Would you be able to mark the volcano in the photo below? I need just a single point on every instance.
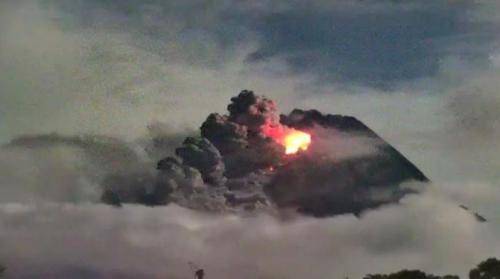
(253, 158)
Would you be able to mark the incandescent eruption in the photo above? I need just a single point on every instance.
(292, 139)
(242, 162)
(295, 141)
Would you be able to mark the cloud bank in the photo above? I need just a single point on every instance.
(426, 232)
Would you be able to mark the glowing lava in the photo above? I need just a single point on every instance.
(296, 140)
(293, 140)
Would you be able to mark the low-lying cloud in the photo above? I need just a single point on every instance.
(427, 231)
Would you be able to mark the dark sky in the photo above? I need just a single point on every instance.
(373, 43)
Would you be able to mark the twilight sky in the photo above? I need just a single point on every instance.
(425, 75)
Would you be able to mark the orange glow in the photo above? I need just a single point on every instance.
(293, 140)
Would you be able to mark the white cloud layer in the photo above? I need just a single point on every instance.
(428, 232)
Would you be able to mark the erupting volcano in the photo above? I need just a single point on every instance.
(241, 161)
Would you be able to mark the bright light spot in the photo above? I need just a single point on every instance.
(295, 141)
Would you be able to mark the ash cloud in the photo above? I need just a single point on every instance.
(240, 135)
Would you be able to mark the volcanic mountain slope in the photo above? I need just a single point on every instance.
(363, 173)
(253, 158)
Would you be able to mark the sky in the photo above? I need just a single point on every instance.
(423, 74)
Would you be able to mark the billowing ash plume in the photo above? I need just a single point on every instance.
(239, 136)
(242, 161)
(202, 155)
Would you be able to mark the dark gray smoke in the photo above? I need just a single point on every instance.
(239, 135)
(202, 155)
